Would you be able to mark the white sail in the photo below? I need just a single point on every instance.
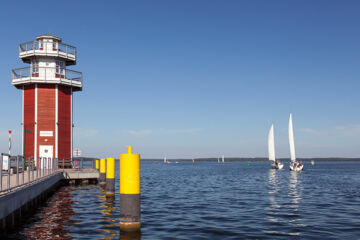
(223, 158)
(271, 144)
(291, 140)
(164, 159)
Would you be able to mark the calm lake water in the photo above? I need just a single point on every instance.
(207, 200)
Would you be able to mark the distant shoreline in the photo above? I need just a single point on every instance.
(254, 159)
(232, 159)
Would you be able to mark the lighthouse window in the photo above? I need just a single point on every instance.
(35, 66)
(60, 67)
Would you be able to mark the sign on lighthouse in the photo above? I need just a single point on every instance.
(47, 86)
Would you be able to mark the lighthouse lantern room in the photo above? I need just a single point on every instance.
(47, 86)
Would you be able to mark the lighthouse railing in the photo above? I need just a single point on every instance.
(41, 47)
(47, 74)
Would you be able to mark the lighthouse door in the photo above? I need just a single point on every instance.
(45, 152)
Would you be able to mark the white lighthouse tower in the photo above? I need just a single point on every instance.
(47, 86)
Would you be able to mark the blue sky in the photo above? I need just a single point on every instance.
(198, 78)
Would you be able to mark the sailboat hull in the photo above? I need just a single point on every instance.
(297, 167)
(278, 166)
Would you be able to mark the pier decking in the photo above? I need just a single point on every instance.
(22, 192)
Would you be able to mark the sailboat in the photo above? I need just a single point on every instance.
(218, 160)
(313, 162)
(223, 159)
(294, 165)
(165, 160)
(193, 160)
(271, 148)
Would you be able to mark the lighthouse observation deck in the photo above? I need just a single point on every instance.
(54, 75)
(30, 49)
(48, 58)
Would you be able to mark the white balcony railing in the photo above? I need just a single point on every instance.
(46, 75)
(46, 48)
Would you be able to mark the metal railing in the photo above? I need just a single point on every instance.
(15, 172)
(47, 47)
(83, 163)
(46, 74)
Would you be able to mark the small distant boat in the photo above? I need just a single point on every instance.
(223, 159)
(294, 165)
(218, 160)
(271, 148)
(176, 162)
(193, 160)
(313, 162)
(166, 161)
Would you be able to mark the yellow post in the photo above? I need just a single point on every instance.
(102, 171)
(130, 192)
(110, 176)
(97, 164)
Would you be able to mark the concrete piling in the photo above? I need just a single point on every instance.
(130, 192)
(102, 171)
(110, 177)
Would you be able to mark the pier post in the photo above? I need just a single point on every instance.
(43, 166)
(17, 171)
(29, 168)
(9, 172)
(37, 167)
(23, 168)
(110, 177)
(130, 192)
(32, 168)
(102, 171)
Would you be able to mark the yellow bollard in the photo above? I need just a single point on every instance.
(97, 164)
(110, 176)
(130, 192)
(102, 171)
